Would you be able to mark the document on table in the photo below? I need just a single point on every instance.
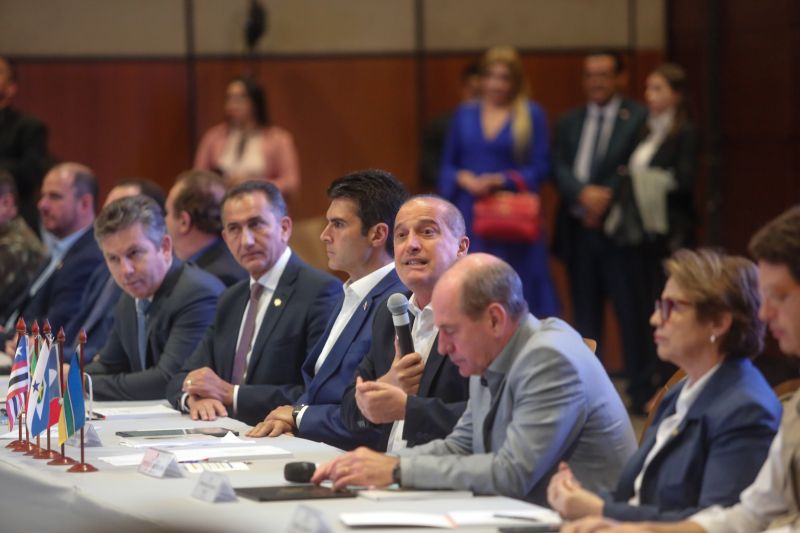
(532, 514)
(183, 441)
(259, 451)
(410, 495)
(136, 411)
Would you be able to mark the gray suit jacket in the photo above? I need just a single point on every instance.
(182, 309)
(543, 400)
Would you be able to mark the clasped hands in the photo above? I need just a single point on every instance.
(480, 184)
(208, 393)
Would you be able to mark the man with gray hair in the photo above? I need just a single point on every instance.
(537, 396)
(164, 312)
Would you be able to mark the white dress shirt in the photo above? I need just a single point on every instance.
(423, 333)
(354, 294)
(669, 424)
(583, 159)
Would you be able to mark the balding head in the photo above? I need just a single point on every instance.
(477, 305)
(69, 192)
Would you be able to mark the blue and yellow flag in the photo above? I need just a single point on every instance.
(73, 415)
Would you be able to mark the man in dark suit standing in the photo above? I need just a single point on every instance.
(592, 146)
(164, 312)
(358, 241)
(250, 359)
(410, 399)
(193, 221)
(23, 145)
(67, 209)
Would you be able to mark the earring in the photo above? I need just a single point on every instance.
(713, 338)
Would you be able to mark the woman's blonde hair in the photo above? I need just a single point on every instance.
(521, 127)
(718, 283)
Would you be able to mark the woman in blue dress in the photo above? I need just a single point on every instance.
(503, 131)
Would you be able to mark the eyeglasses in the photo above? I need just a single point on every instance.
(664, 306)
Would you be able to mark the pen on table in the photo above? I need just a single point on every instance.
(516, 517)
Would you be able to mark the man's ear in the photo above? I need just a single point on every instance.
(184, 222)
(463, 246)
(378, 234)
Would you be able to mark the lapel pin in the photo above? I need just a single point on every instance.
(366, 304)
(624, 114)
(277, 302)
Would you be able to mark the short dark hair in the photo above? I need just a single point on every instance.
(453, 218)
(778, 242)
(83, 179)
(8, 185)
(201, 197)
(125, 212)
(717, 283)
(257, 96)
(146, 187)
(274, 196)
(378, 196)
(619, 62)
(493, 282)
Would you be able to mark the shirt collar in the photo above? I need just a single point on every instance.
(361, 287)
(272, 277)
(59, 247)
(661, 123)
(608, 110)
(414, 308)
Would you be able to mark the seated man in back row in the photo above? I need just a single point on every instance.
(538, 396)
(250, 360)
(166, 307)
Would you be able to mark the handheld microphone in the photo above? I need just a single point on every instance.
(398, 306)
(299, 471)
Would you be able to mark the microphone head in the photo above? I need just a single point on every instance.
(299, 471)
(397, 304)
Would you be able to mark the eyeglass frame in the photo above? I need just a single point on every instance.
(665, 306)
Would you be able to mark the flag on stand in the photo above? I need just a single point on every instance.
(54, 390)
(73, 414)
(17, 382)
(39, 397)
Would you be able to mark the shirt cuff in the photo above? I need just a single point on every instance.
(235, 398)
(183, 404)
(300, 416)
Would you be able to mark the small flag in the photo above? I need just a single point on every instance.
(73, 416)
(17, 382)
(38, 409)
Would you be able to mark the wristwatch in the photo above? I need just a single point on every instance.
(396, 475)
(296, 411)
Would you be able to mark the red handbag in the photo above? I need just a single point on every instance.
(508, 216)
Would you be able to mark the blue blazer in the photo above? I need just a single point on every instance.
(59, 299)
(322, 419)
(295, 319)
(715, 453)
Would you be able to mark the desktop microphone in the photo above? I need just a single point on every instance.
(398, 306)
(299, 471)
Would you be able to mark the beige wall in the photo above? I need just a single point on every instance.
(147, 28)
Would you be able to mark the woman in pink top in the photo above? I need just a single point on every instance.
(246, 146)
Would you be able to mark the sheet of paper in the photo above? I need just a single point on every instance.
(220, 466)
(183, 441)
(409, 495)
(137, 411)
(504, 517)
(395, 519)
(14, 434)
(206, 453)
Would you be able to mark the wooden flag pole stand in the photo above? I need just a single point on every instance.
(61, 459)
(17, 445)
(47, 454)
(82, 466)
(30, 448)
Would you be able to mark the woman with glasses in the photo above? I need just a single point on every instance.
(712, 431)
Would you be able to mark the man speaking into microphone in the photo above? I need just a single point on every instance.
(405, 399)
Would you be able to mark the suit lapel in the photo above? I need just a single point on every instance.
(316, 351)
(159, 301)
(432, 366)
(280, 299)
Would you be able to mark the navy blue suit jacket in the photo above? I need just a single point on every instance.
(182, 308)
(99, 328)
(715, 453)
(59, 299)
(217, 259)
(431, 413)
(294, 321)
(322, 419)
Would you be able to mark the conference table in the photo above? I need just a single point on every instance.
(35, 496)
